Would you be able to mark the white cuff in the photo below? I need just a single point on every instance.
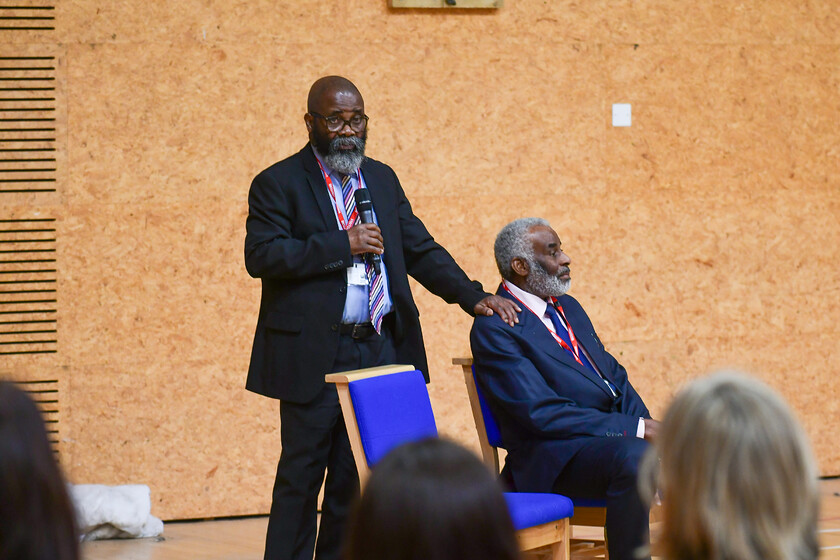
(640, 430)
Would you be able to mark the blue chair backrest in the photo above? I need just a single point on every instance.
(494, 436)
(390, 410)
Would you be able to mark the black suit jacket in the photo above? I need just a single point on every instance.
(295, 247)
(546, 404)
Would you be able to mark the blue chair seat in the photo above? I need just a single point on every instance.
(530, 510)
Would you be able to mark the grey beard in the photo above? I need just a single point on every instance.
(540, 282)
(345, 162)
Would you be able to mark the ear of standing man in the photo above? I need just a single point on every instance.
(325, 308)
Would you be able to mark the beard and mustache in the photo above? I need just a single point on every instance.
(544, 284)
(336, 154)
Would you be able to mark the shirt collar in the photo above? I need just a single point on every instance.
(321, 160)
(534, 303)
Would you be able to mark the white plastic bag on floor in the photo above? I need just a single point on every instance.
(114, 512)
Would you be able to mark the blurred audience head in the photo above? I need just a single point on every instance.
(431, 500)
(36, 515)
(735, 473)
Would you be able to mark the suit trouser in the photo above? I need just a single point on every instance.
(314, 439)
(609, 466)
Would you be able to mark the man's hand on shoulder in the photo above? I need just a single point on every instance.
(651, 429)
(506, 309)
(365, 238)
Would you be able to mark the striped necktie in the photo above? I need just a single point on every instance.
(376, 284)
(349, 201)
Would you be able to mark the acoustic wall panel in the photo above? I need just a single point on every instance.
(700, 236)
(28, 294)
(27, 124)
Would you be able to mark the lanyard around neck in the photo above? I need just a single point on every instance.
(575, 349)
(346, 223)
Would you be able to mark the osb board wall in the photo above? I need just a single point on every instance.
(703, 236)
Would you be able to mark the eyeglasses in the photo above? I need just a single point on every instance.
(334, 123)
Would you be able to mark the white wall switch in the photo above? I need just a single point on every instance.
(621, 114)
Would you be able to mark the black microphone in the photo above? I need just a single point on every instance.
(365, 208)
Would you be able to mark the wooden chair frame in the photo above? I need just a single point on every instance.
(342, 384)
(549, 538)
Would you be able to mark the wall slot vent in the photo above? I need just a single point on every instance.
(28, 302)
(27, 18)
(27, 124)
(45, 395)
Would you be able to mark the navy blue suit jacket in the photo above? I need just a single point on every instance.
(546, 404)
(295, 247)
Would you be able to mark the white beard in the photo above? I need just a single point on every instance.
(345, 162)
(539, 281)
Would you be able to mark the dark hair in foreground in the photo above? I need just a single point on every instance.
(431, 500)
(36, 516)
(739, 469)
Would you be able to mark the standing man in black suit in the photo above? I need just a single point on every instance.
(327, 307)
(570, 419)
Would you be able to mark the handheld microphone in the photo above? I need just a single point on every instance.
(365, 208)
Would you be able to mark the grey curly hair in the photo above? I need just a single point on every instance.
(512, 241)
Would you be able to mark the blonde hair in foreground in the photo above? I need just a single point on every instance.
(739, 473)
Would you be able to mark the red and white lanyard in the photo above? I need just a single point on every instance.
(568, 325)
(349, 221)
(575, 349)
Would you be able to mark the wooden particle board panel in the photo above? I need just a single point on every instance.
(700, 237)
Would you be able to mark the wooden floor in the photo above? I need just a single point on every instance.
(242, 539)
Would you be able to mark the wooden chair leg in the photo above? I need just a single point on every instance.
(560, 550)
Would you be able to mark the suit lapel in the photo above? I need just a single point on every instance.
(319, 187)
(565, 357)
(375, 186)
(583, 335)
(584, 339)
(538, 334)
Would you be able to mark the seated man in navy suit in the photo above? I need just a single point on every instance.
(568, 416)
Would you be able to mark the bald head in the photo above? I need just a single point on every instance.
(337, 123)
(327, 88)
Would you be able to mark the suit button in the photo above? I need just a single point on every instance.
(342, 289)
(334, 327)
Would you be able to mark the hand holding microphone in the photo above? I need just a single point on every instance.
(368, 235)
